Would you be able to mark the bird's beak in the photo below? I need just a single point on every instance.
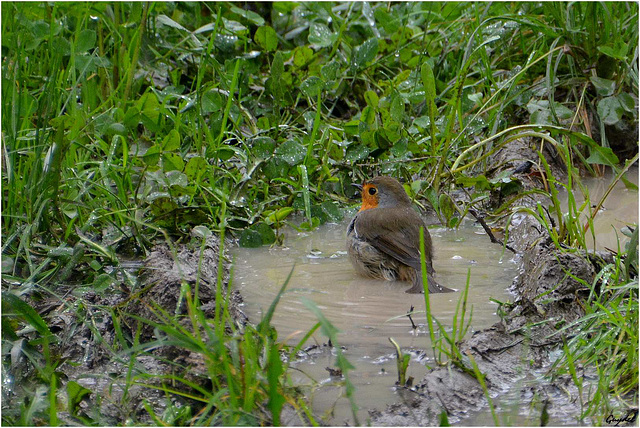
(359, 187)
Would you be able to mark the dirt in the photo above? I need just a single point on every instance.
(92, 346)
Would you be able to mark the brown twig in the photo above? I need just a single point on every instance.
(488, 230)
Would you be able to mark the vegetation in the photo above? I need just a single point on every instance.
(123, 122)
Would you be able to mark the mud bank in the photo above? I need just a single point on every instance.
(514, 353)
(98, 353)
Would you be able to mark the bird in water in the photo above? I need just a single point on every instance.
(383, 239)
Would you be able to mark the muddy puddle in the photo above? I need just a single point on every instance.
(619, 209)
(364, 309)
(368, 312)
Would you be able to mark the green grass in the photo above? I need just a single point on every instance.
(126, 123)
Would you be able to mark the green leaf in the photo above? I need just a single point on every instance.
(279, 215)
(165, 20)
(331, 211)
(627, 102)
(132, 117)
(432, 197)
(602, 156)
(285, 7)
(275, 81)
(480, 182)
(371, 98)
(75, 393)
(388, 21)
(266, 233)
(352, 127)
(263, 147)
(176, 178)
(171, 142)
(393, 131)
(330, 71)
(250, 16)
(275, 370)
(604, 87)
(321, 36)
(172, 162)
(250, 239)
(302, 55)
(225, 153)
(610, 110)
(396, 110)
(447, 206)
(399, 148)
(212, 102)
(149, 108)
(312, 86)
(25, 311)
(61, 46)
(152, 155)
(368, 115)
(365, 53)
(86, 40)
(195, 166)
(267, 38)
(291, 152)
(618, 50)
(356, 152)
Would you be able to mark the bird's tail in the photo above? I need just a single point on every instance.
(434, 286)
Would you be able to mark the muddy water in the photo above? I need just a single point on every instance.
(619, 209)
(363, 309)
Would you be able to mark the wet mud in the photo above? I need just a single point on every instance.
(93, 349)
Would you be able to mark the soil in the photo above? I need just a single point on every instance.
(91, 343)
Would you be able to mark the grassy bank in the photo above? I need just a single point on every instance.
(122, 122)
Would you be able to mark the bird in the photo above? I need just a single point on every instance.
(383, 238)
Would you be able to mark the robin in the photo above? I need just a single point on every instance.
(383, 239)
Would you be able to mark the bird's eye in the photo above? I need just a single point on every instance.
(373, 190)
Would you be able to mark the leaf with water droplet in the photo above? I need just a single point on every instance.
(250, 16)
(250, 239)
(177, 178)
(356, 152)
(312, 86)
(321, 36)
(291, 152)
(263, 147)
(365, 53)
(330, 71)
(165, 20)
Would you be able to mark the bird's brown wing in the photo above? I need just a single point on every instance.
(397, 235)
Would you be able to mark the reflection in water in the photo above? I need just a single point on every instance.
(362, 308)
